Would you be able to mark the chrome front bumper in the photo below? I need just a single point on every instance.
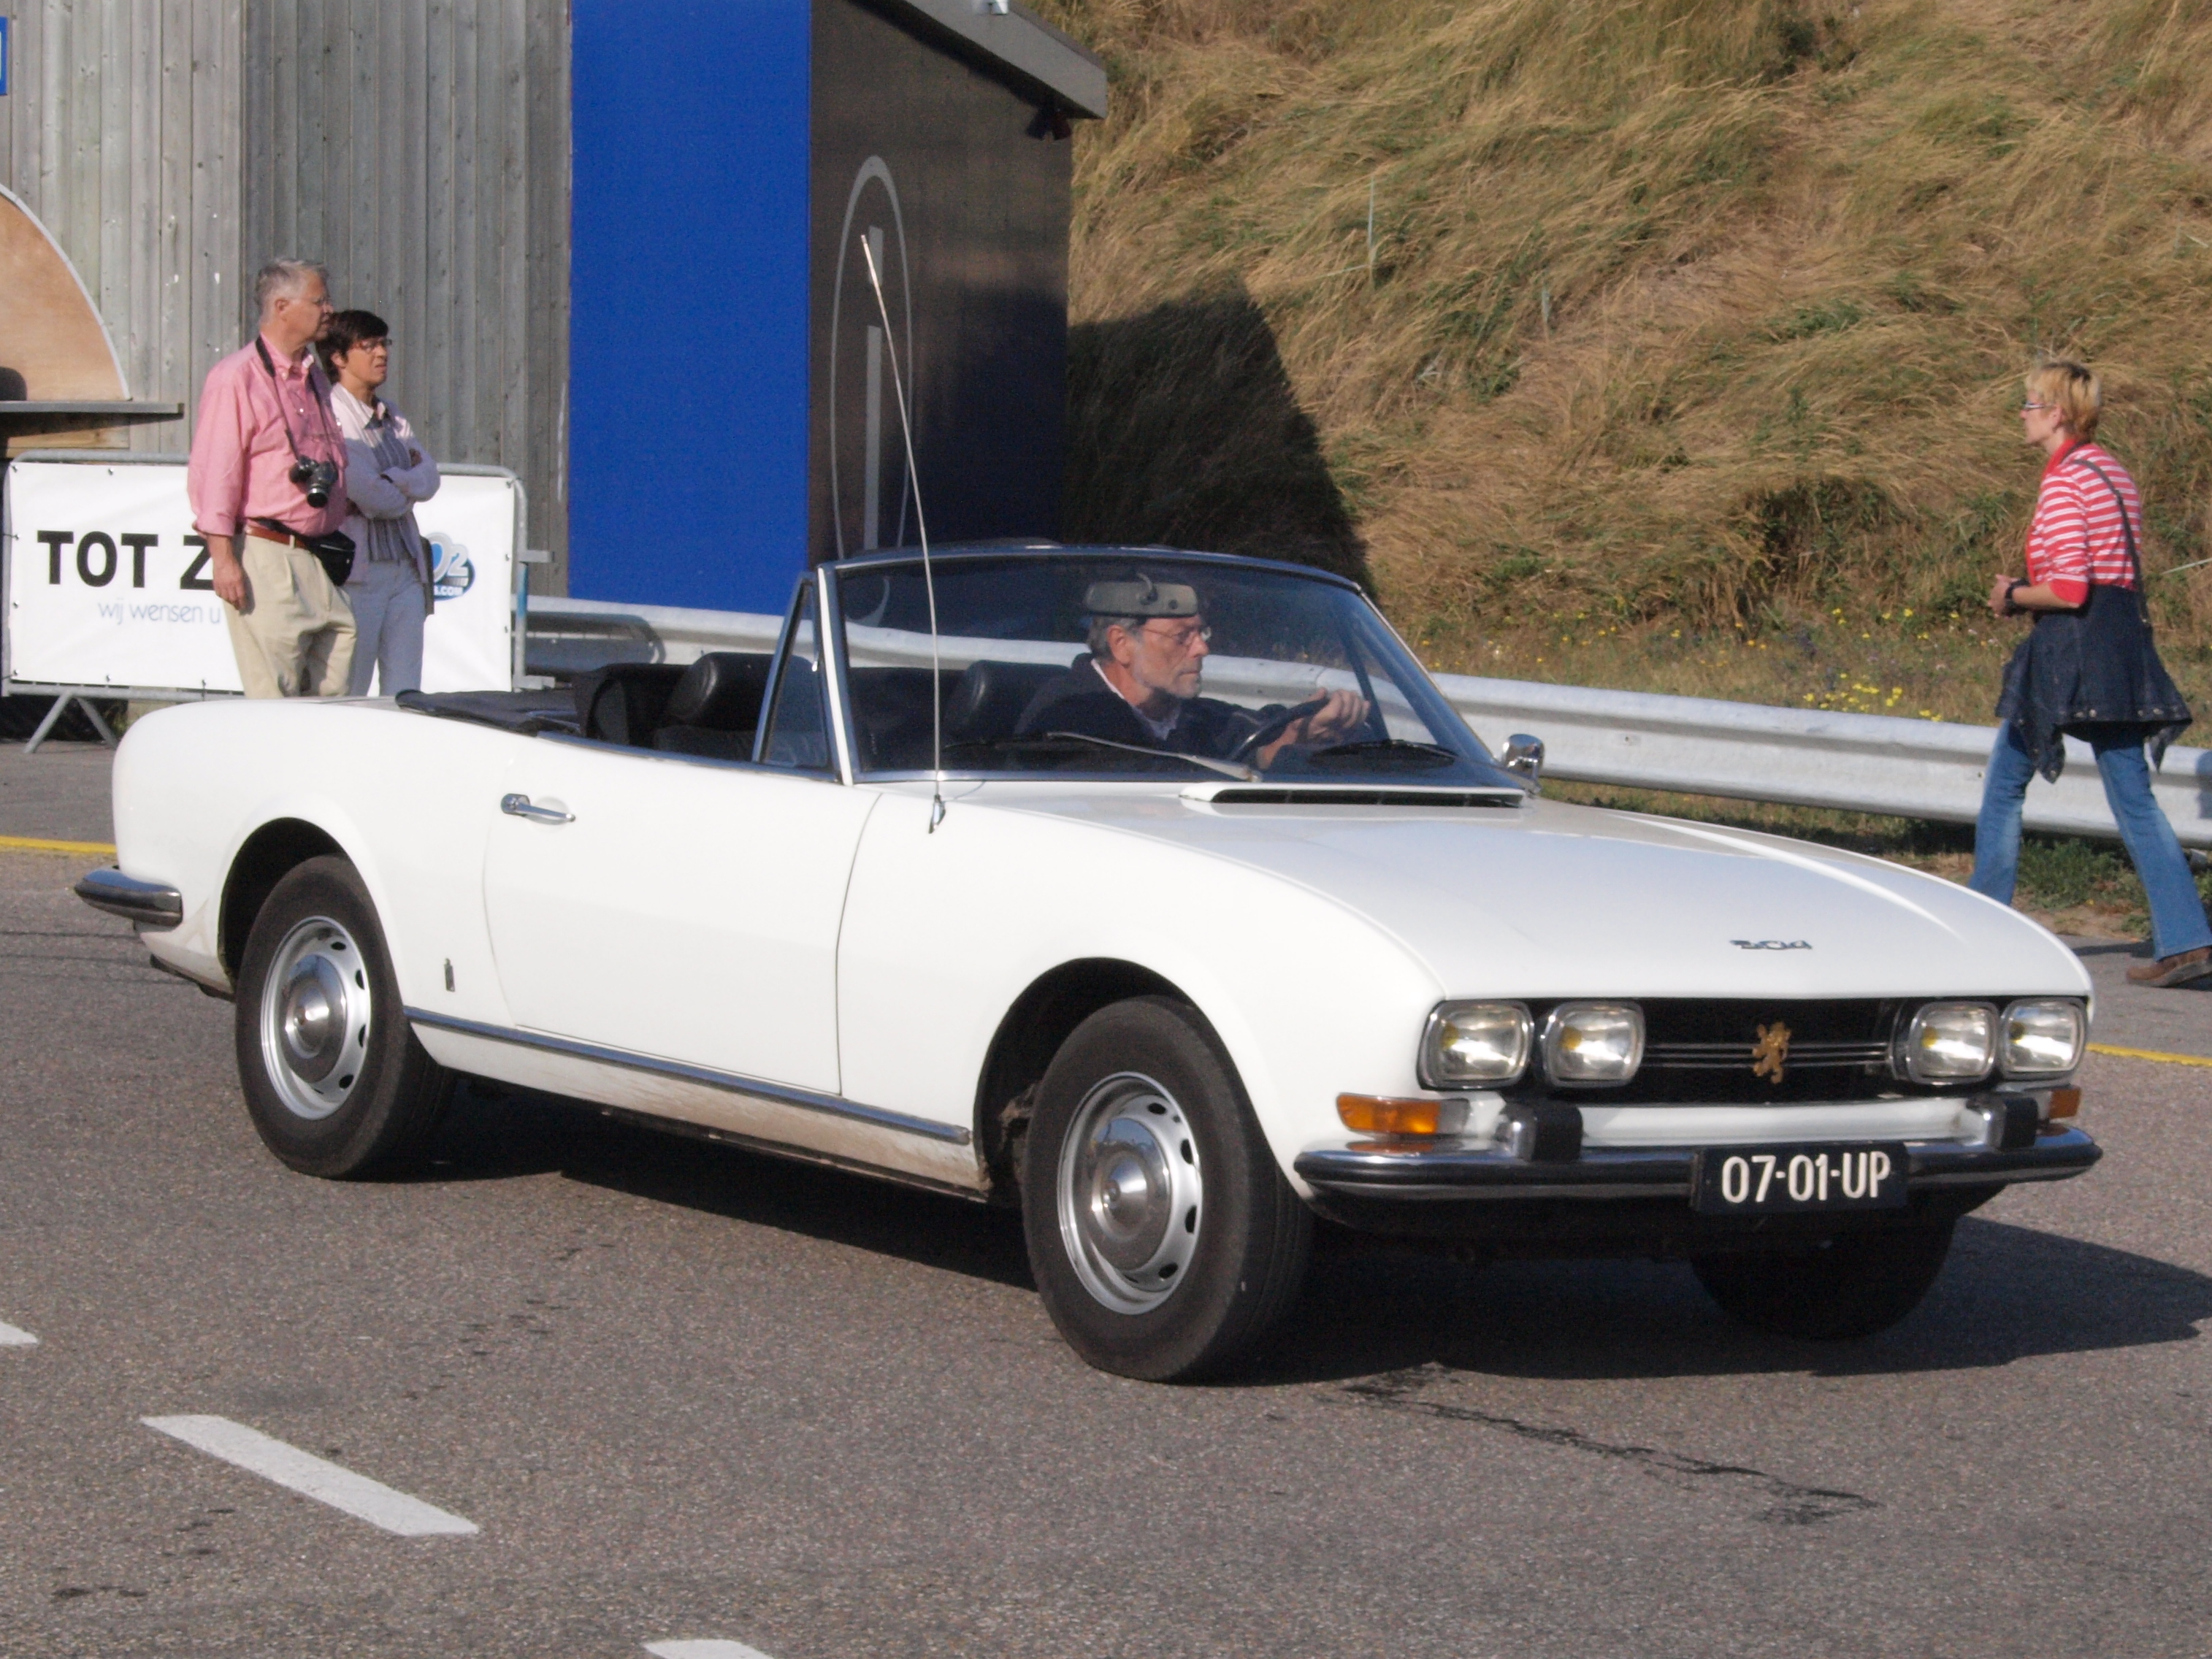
(1466, 1169)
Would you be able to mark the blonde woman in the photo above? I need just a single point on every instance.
(2087, 668)
(387, 472)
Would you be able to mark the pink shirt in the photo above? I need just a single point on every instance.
(241, 461)
(2076, 537)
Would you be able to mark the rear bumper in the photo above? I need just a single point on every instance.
(147, 904)
(1463, 1170)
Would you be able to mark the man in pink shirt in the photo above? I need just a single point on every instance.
(267, 480)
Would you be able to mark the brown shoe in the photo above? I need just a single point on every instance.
(2174, 970)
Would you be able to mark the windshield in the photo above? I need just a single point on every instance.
(1141, 663)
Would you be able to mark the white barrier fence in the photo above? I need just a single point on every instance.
(1633, 739)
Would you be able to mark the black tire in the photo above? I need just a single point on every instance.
(1839, 1289)
(1204, 1249)
(334, 1079)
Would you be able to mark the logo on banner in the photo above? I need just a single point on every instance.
(452, 571)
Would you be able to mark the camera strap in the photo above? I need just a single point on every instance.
(283, 417)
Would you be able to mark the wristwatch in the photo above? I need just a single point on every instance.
(2012, 605)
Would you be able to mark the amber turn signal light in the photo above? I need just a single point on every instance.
(2065, 1102)
(1380, 1114)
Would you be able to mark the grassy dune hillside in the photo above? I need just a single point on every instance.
(1685, 352)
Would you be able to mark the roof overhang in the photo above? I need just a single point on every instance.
(1036, 57)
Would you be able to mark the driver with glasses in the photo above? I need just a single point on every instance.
(1138, 688)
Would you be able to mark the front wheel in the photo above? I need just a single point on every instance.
(1164, 1239)
(1839, 1289)
(335, 1080)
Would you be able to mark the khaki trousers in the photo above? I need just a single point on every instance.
(294, 637)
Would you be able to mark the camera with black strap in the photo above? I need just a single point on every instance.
(316, 479)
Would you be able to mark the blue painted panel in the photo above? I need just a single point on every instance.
(688, 301)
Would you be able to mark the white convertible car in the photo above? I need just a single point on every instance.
(1160, 894)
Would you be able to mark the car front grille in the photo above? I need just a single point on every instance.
(1699, 1052)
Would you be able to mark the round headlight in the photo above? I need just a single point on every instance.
(1465, 1042)
(1949, 1042)
(1587, 1042)
(2042, 1038)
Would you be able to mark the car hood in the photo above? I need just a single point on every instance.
(1549, 899)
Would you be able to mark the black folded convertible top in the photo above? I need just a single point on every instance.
(552, 709)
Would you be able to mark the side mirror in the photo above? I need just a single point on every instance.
(1524, 759)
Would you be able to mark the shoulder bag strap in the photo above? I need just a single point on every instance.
(2127, 524)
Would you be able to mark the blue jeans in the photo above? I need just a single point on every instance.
(2177, 914)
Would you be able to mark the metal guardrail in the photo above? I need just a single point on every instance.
(566, 636)
(1854, 763)
(1631, 739)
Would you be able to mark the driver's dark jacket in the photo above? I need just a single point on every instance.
(1080, 701)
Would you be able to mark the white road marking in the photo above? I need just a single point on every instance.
(12, 1338)
(707, 1650)
(287, 1466)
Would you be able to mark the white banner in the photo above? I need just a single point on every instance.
(107, 584)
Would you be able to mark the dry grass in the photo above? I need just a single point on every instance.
(1690, 323)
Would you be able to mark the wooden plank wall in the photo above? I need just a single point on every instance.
(120, 131)
(418, 148)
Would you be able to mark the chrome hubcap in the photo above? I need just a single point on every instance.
(1132, 1194)
(315, 1013)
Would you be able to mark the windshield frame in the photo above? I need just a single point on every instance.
(1408, 672)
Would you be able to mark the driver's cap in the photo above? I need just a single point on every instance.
(1142, 597)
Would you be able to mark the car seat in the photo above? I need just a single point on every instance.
(623, 702)
(715, 706)
(989, 697)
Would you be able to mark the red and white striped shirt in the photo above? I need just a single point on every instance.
(2076, 537)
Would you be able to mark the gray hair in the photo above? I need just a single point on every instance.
(282, 278)
(1096, 639)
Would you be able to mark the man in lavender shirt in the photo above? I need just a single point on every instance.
(265, 410)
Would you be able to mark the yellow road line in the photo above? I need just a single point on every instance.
(33, 844)
(2149, 1054)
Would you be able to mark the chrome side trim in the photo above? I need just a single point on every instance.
(782, 1094)
(784, 1149)
(148, 904)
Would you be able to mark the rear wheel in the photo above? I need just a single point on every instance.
(1164, 1239)
(1839, 1289)
(334, 1079)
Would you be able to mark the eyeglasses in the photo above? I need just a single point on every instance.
(1184, 636)
(2027, 408)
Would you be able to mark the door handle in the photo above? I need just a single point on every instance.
(518, 806)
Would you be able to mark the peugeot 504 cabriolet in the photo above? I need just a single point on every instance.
(1160, 894)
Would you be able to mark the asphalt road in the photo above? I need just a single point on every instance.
(686, 1393)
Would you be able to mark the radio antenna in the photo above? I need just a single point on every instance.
(921, 528)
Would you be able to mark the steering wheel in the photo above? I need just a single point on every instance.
(1270, 730)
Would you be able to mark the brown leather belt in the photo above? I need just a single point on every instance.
(271, 532)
